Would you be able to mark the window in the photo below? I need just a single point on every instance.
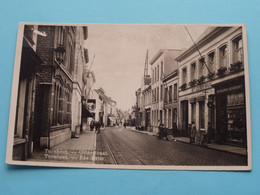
(170, 93)
(175, 92)
(157, 93)
(201, 67)
(201, 115)
(161, 94)
(174, 115)
(68, 121)
(155, 74)
(223, 56)
(184, 75)
(158, 73)
(162, 69)
(193, 112)
(193, 71)
(153, 92)
(166, 95)
(237, 49)
(60, 105)
(211, 60)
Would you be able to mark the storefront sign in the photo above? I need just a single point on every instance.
(201, 87)
(233, 88)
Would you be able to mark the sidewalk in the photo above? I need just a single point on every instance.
(220, 147)
(81, 149)
(144, 132)
(225, 148)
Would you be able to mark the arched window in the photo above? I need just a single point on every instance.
(237, 50)
(223, 56)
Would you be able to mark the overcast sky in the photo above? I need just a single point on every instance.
(120, 52)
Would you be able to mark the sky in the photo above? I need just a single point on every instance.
(120, 52)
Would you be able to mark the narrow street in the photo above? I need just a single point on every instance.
(122, 146)
(126, 147)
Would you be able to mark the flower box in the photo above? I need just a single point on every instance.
(183, 87)
(236, 66)
(211, 75)
(221, 71)
(193, 83)
(201, 79)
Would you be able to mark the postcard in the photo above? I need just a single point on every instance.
(131, 96)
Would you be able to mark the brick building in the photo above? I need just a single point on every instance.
(50, 78)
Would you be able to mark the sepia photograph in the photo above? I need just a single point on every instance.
(131, 96)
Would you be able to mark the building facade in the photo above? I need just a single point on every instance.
(108, 107)
(212, 86)
(170, 83)
(162, 64)
(81, 59)
(24, 120)
(50, 84)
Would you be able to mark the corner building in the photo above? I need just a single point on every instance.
(212, 86)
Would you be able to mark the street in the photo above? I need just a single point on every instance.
(127, 147)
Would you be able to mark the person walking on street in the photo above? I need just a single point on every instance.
(91, 125)
(98, 125)
(193, 132)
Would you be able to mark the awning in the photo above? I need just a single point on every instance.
(85, 112)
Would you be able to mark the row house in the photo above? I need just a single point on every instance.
(147, 97)
(212, 86)
(170, 83)
(50, 65)
(162, 64)
(108, 110)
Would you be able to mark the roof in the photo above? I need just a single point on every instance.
(104, 97)
(160, 52)
(210, 32)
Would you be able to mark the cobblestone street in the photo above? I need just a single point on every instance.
(133, 148)
(117, 145)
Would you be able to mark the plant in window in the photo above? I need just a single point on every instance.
(211, 75)
(183, 87)
(193, 83)
(236, 66)
(221, 71)
(201, 79)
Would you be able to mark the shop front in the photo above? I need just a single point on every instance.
(231, 112)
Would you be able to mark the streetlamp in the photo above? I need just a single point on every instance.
(59, 54)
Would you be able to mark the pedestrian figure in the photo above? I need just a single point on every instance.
(91, 125)
(95, 125)
(98, 125)
(124, 125)
(193, 132)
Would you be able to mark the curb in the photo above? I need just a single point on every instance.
(244, 155)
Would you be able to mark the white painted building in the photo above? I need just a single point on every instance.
(213, 95)
(162, 64)
(81, 58)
